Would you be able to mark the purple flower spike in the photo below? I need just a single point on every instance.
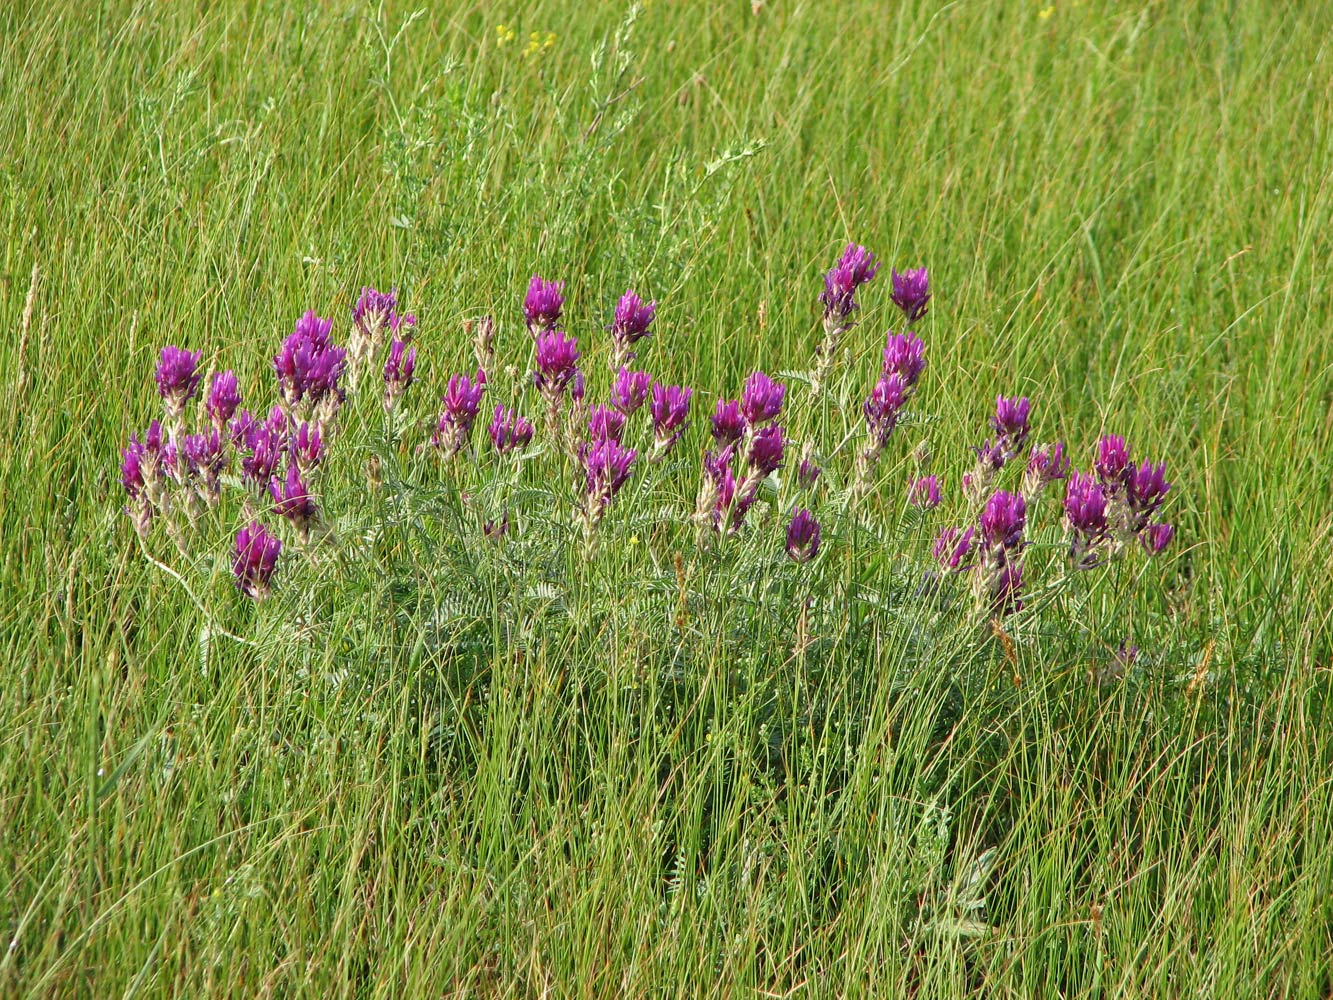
(1006, 588)
(1046, 465)
(543, 304)
(883, 407)
(766, 450)
(292, 500)
(177, 378)
(265, 446)
(1147, 488)
(605, 424)
(398, 371)
(606, 466)
(803, 537)
(307, 447)
(728, 424)
(239, 427)
(1085, 506)
(854, 268)
(557, 363)
(256, 560)
(1011, 424)
(632, 322)
(206, 459)
(462, 399)
(924, 492)
(671, 410)
(372, 311)
(509, 432)
(905, 355)
(762, 399)
(1156, 537)
(309, 365)
(808, 473)
(1003, 520)
(953, 548)
(630, 391)
(223, 398)
(911, 292)
(1112, 461)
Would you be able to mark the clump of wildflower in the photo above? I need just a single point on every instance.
(1000, 559)
(606, 467)
(398, 371)
(1112, 462)
(223, 398)
(630, 391)
(633, 320)
(670, 409)
(256, 560)
(462, 399)
(557, 364)
(309, 367)
(543, 305)
(292, 500)
(803, 536)
(177, 379)
(372, 315)
(854, 268)
(911, 292)
(1133, 495)
(509, 432)
(727, 423)
(924, 492)
(1047, 464)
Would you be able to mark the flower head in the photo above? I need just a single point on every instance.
(292, 500)
(808, 472)
(671, 410)
(1156, 537)
(883, 407)
(606, 467)
(953, 548)
(543, 304)
(372, 311)
(630, 391)
(924, 492)
(762, 399)
(557, 362)
(605, 424)
(905, 355)
(1003, 520)
(223, 398)
(1085, 514)
(206, 459)
(398, 369)
(803, 536)
(854, 268)
(727, 423)
(256, 560)
(309, 365)
(1046, 465)
(633, 320)
(462, 399)
(265, 446)
(1146, 488)
(177, 378)
(766, 450)
(1112, 461)
(307, 447)
(1011, 419)
(509, 432)
(1006, 588)
(911, 292)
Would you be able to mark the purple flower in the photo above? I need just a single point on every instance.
(1045, 466)
(265, 447)
(1112, 461)
(141, 461)
(177, 378)
(576, 386)
(728, 424)
(632, 322)
(762, 399)
(509, 432)
(223, 398)
(670, 409)
(307, 447)
(605, 424)
(1003, 520)
(606, 466)
(766, 450)
(398, 371)
(462, 399)
(239, 427)
(309, 365)
(924, 492)
(803, 536)
(402, 326)
(854, 268)
(206, 458)
(1011, 423)
(1085, 513)
(1006, 587)
(630, 391)
(495, 530)
(883, 407)
(1156, 537)
(953, 548)
(911, 292)
(557, 362)
(1146, 488)
(808, 473)
(256, 560)
(292, 500)
(372, 310)
(543, 304)
(905, 355)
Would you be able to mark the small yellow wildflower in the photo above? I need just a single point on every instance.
(1044, 14)
(504, 34)
(634, 539)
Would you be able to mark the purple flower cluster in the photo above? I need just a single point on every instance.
(1115, 505)
(256, 559)
(398, 371)
(374, 316)
(309, 367)
(911, 292)
(462, 400)
(742, 429)
(543, 305)
(177, 379)
(992, 551)
(633, 320)
(803, 536)
(509, 432)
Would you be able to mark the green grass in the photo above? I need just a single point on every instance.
(1126, 215)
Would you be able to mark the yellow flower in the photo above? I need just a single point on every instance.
(504, 34)
(1044, 14)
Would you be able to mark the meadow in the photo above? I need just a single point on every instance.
(489, 735)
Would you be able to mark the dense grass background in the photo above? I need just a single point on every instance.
(1126, 214)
